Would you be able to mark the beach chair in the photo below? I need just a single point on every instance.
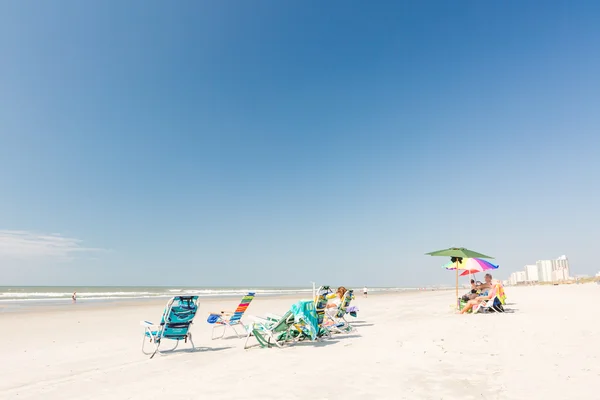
(269, 332)
(299, 323)
(489, 306)
(320, 309)
(174, 324)
(320, 303)
(494, 304)
(230, 319)
(338, 316)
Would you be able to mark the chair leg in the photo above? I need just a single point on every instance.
(150, 339)
(213, 337)
(191, 341)
(156, 349)
(236, 332)
(247, 338)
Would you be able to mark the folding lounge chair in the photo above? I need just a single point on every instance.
(494, 304)
(338, 317)
(230, 319)
(269, 333)
(174, 324)
(320, 305)
(297, 324)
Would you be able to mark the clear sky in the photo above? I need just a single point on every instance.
(277, 143)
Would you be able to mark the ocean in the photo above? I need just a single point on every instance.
(60, 294)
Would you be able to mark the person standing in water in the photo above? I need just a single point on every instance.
(74, 297)
(365, 291)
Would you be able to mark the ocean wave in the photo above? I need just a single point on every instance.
(9, 294)
(159, 293)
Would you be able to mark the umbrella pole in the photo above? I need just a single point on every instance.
(457, 298)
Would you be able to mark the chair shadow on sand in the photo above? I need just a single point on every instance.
(363, 324)
(321, 343)
(197, 349)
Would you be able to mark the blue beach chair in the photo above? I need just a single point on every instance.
(174, 324)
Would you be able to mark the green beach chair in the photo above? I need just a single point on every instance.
(339, 324)
(320, 305)
(269, 332)
(299, 323)
(320, 308)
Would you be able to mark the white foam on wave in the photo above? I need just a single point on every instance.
(159, 293)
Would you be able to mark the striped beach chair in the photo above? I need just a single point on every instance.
(174, 324)
(226, 319)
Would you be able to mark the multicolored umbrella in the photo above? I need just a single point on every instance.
(471, 266)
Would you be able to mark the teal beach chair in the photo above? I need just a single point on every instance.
(174, 324)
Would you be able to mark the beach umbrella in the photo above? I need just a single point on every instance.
(457, 256)
(471, 266)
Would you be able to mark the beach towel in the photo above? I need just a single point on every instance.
(305, 315)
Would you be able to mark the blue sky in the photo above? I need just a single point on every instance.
(277, 143)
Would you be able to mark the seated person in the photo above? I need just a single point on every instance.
(473, 292)
(486, 294)
(336, 299)
(485, 287)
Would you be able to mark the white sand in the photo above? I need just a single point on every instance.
(408, 346)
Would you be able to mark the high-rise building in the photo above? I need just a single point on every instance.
(562, 265)
(545, 268)
(554, 270)
(560, 274)
(532, 273)
(544, 271)
(517, 277)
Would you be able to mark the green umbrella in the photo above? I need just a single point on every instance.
(457, 254)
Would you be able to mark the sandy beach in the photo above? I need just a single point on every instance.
(406, 346)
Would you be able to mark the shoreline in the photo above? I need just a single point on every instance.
(66, 305)
(29, 304)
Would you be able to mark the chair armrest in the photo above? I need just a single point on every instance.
(259, 319)
(146, 324)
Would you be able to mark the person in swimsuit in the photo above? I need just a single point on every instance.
(486, 294)
(337, 297)
(485, 287)
(365, 291)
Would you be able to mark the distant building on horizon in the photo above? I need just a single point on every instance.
(532, 273)
(545, 270)
(517, 277)
(557, 270)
